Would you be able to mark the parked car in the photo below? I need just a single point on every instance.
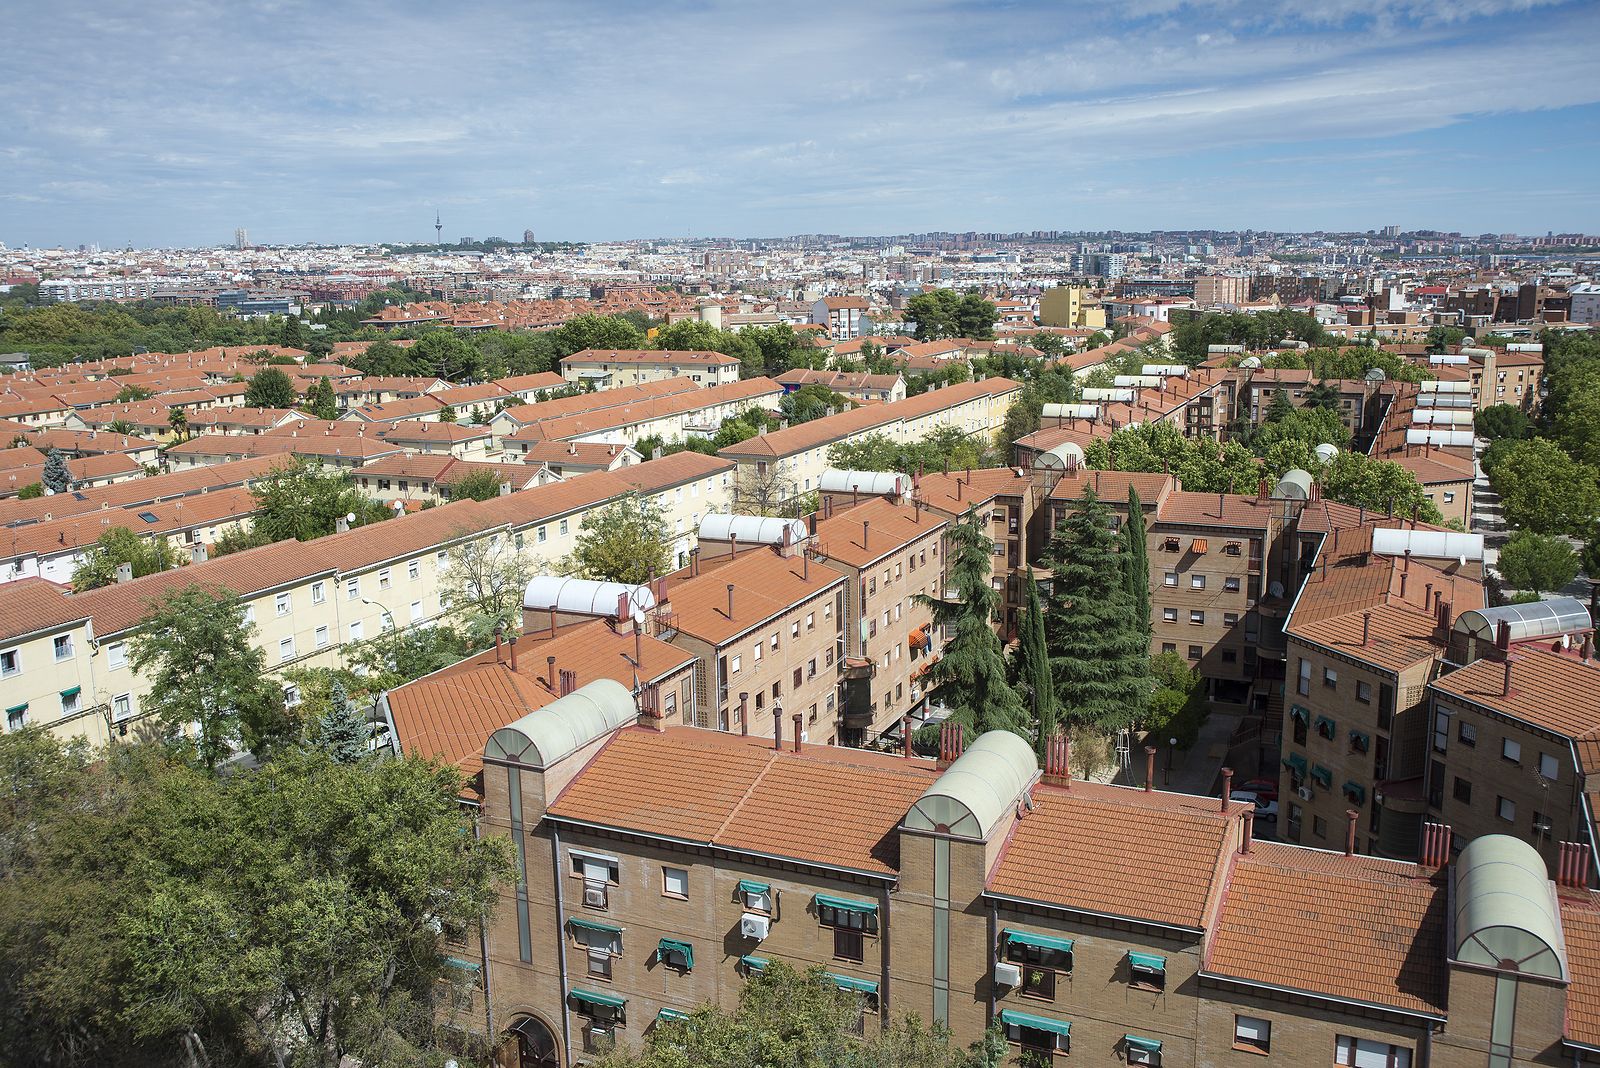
(1267, 788)
(1266, 809)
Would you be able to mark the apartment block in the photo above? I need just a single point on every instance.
(604, 369)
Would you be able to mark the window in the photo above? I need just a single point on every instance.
(675, 882)
(385, 580)
(1467, 733)
(355, 631)
(414, 570)
(1441, 730)
(843, 912)
(601, 942)
(322, 637)
(596, 868)
(71, 701)
(121, 707)
(811, 621)
(416, 611)
(291, 695)
(281, 604)
(352, 589)
(757, 896)
(733, 665)
(1252, 1034)
(11, 660)
(116, 655)
(1169, 647)
(541, 534)
(1462, 791)
(1509, 748)
(563, 527)
(1169, 615)
(799, 674)
(1146, 971)
(63, 646)
(1230, 584)
(1325, 728)
(17, 717)
(1197, 582)
(1330, 678)
(1365, 1053)
(1303, 687)
(1196, 652)
(441, 559)
(319, 592)
(775, 633)
(1170, 578)
(1230, 619)
(1549, 767)
(848, 945)
(1040, 1039)
(1197, 618)
(1170, 545)
(757, 653)
(1506, 809)
(1319, 826)
(286, 648)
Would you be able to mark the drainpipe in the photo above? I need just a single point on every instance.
(561, 942)
(994, 933)
(483, 943)
(885, 942)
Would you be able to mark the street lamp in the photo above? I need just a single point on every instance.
(388, 615)
(1166, 780)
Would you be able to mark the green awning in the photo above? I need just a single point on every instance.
(672, 1014)
(1296, 762)
(859, 986)
(1322, 774)
(14, 709)
(1325, 721)
(1355, 791)
(844, 904)
(73, 692)
(1300, 713)
(747, 886)
(672, 945)
(594, 997)
(1149, 1045)
(1360, 739)
(464, 965)
(754, 964)
(1037, 941)
(1037, 1023)
(1148, 961)
(591, 925)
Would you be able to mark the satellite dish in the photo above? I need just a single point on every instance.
(1377, 374)
(350, 517)
(1326, 452)
(1275, 588)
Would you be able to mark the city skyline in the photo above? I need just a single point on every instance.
(175, 127)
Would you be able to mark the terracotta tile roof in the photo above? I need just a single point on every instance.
(955, 493)
(655, 475)
(1113, 486)
(889, 526)
(1356, 928)
(1555, 692)
(577, 453)
(765, 585)
(1580, 924)
(525, 415)
(825, 804)
(418, 431)
(450, 715)
(33, 604)
(57, 536)
(751, 392)
(395, 410)
(1116, 850)
(838, 381)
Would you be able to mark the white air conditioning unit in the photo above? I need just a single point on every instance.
(594, 896)
(1007, 974)
(1305, 793)
(753, 926)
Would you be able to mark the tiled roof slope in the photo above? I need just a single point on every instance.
(1580, 925)
(1558, 693)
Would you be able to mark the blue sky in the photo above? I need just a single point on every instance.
(174, 123)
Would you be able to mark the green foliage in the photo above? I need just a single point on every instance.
(483, 586)
(178, 420)
(1099, 656)
(60, 333)
(1200, 463)
(1192, 337)
(131, 394)
(394, 657)
(694, 335)
(1136, 563)
(1543, 489)
(117, 546)
(1377, 485)
(384, 359)
(1501, 422)
(946, 313)
(1177, 705)
(342, 732)
(945, 448)
(1441, 338)
(970, 676)
(320, 401)
(289, 336)
(57, 476)
(629, 540)
(1030, 670)
(777, 349)
(270, 388)
(303, 500)
(1537, 562)
(477, 485)
(595, 332)
(812, 402)
(294, 914)
(31, 492)
(204, 670)
(238, 538)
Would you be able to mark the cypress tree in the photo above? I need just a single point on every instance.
(1030, 669)
(1136, 562)
(970, 678)
(321, 400)
(341, 732)
(57, 477)
(1100, 660)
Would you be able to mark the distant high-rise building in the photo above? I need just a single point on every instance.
(1391, 231)
(438, 229)
(241, 238)
(527, 237)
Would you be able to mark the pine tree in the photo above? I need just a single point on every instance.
(1030, 670)
(1100, 660)
(290, 338)
(970, 678)
(341, 731)
(57, 477)
(1136, 562)
(321, 401)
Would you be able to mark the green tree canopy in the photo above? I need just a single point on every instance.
(1543, 489)
(117, 546)
(321, 401)
(57, 476)
(1358, 480)
(130, 394)
(595, 332)
(1031, 673)
(628, 540)
(1200, 463)
(270, 388)
(946, 313)
(342, 732)
(1537, 562)
(1501, 422)
(483, 586)
(477, 485)
(304, 500)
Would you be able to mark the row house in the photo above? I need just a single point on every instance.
(87, 473)
(410, 478)
(124, 494)
(603, 369)
(522, 417)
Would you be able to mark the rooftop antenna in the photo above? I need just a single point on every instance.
(438, 229)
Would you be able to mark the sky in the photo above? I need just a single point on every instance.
(172, 124)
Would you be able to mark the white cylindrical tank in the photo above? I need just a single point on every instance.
(1071, 411)
(585, 597)
(711, 314)
(1294, 485)
(751, 529)
(876, 483)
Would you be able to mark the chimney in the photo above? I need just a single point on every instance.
(730, 601)
(341, 525)
(198, 554)
(1350, 832)
(777, 730)
(550, 673)
(1150, 768)
(694, 562)
(569, 681)
(1574, 870)
(855, 495)
(798, 718)
(124, 572)
(1502, 636)
(1403, 577)
(733, 550)
(552, 621)
(864, 533)
(1427, 598)
(505, 489)
(905, 737)
(1249, 831)
(498, 631)
(827, 507)
(511, 645)
(744, 715)
(1227, 787)
(1505, 687)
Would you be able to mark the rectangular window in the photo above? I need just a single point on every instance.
(121, 707)
(1170, 578)
(1197, 582)
(1330, 678)
(1364, 692)
(11, 660)
(1510, 749)
(675, 882)
(416, 611)
(1441, 731)
(563, 526)
(1467, 733)
(1303, 686)
(1169, 615)
(1365, 1053)
(1147, 971)
(63, 646)
(286, 648)
(1506, 809)
(322, 637)
(71, 701)
(441, 559)
(542, 534)
(1549, 767)
(849, 945)
(319, 592)
(384, 579)
(352, 589)
(733, 666)
(1231, 585)
(1197, 618)
(1462, 791)
(1252, 1034)
(1230, 619)
(281, 604)
(355, 631)
(116, 654)
(758, 652)
(1169, 647)
(1196, 652)
(414, 570)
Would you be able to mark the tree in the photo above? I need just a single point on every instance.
(178, 420)
(296, 914)
(628, 540)
(238, 538)
(484, 584)
(1097, 652)
(303, 500)
(118, 546)
(383, 359)
(595, 332)
(445, 354)
(391, 657)
(321, 401)
(1356, 479)
(57, 476)
(131, 394)
(289, 337)
(974, 318)
(476, 485)
(342, 732)
(447, 414)
(1500, 422)
(206, 673)
(31, 492)
(1537, 562)
(694, 335)
(1177, 705)
(1544, 490)
(270, 388)
(970, 676)
(1030, 670)
(1136, 562)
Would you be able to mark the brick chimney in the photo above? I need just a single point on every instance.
(1572, 866)
(1150, 771)
(1350, 832)
(1227, 787)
